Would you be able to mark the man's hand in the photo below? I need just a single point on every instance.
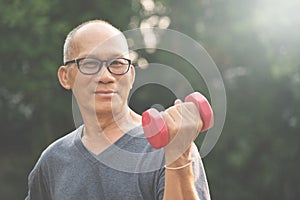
(184, 124)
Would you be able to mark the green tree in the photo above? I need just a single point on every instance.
(254, 44)
(34, 109)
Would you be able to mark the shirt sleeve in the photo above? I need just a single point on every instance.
(161, 185)
(37, 185)
(201, 183)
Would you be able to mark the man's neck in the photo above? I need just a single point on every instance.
(103, 130)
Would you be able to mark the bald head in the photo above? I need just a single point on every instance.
(87, 33)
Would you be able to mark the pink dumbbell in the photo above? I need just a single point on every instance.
(156, 129)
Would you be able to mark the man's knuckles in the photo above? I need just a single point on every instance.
(182, 117)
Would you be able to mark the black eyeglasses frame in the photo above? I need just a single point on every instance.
(100, 65)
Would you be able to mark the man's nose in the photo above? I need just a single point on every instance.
(104, 75)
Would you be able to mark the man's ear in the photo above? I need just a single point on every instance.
(63, 77)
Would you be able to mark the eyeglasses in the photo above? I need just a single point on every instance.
(89, 66)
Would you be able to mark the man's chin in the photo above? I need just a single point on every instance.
(105, 108)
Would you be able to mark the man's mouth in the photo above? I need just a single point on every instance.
(105, 93)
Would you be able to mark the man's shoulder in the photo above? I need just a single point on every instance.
(61, 145)
(56, 154)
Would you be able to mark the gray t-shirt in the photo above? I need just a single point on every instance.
(130, 169)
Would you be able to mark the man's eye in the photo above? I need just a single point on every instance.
(90, 64)
(117, 63)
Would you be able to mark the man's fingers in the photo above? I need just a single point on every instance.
(182, 117)
(177, 101)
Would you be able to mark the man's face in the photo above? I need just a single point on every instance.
(101, 93)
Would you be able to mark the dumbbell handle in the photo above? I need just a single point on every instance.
(156, 129)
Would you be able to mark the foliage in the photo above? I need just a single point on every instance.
(254, 44)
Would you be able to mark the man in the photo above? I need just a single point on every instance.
(108, 157)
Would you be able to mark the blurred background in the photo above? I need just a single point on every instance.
(255, 45)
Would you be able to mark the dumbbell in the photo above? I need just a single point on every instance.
(156, 130)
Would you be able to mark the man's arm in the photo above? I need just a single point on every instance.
(187, 181)
(179, 180)
(37, 185)
(184, 124)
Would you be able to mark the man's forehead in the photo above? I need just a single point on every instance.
(102, 29)
(100, 37)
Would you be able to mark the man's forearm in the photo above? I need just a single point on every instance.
(179, 181)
